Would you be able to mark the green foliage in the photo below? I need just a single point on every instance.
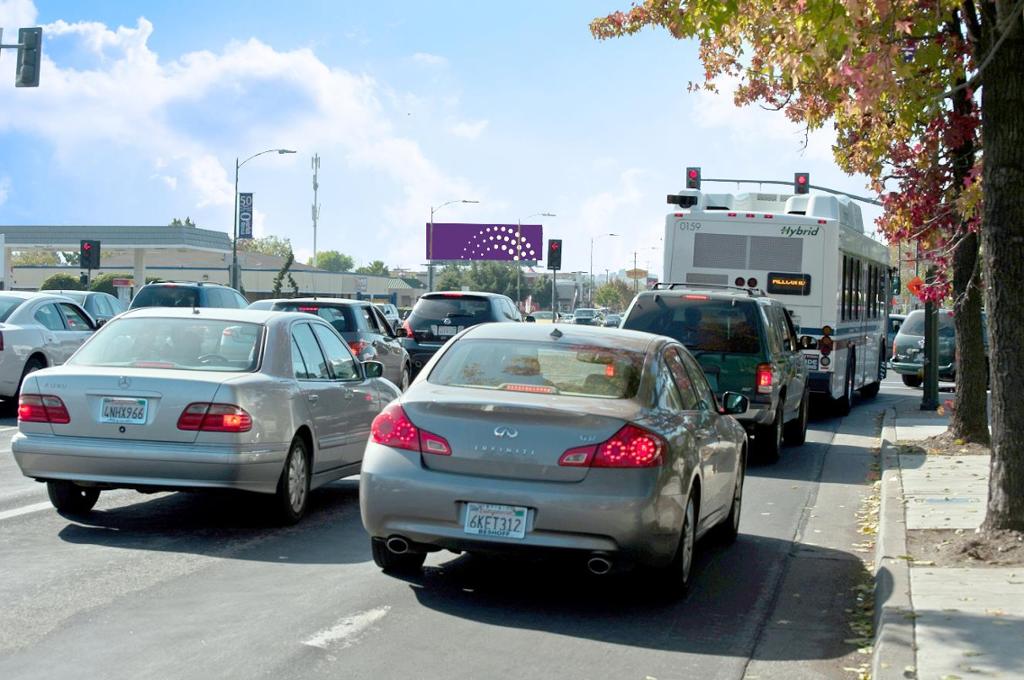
(176, 222)
(332, 261)
(268, 245)
(23, 258)
(615, 295)
(450, 278)
(61, 281)
(377, 267)
(283, 273)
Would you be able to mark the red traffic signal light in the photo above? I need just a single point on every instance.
(802, 182)
(89, 254)
(555, 253)
(693, 178)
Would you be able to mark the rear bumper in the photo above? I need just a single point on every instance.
(620, 512)
(148, 464)
(755, 415)
(946, 371)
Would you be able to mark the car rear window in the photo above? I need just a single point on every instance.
(700, 323)
(342, 317)
(442, 317)
(181, 344)
(8, 305)
(541, 368)
(166, 296)
(914, 323)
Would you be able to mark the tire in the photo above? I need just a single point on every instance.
(769, 438)
(795, 432)
(912, 380)
(292, 496)
(70, 499)
(729, 529)
(31, 366)
(406, 378)
(843, 404)
(870, 391)
(676, 576)
(393, 563)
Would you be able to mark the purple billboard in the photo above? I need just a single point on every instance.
(458, 241)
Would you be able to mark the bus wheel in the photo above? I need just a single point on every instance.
(843, 404)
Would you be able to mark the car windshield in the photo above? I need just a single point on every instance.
(541, 368)
(8, 305)
(342, 317)
(182, 344)
(166, 296)
(586, 313)
(700, 323)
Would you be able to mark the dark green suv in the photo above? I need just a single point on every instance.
(746, 343)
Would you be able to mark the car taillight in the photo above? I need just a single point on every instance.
(764, 378)
(206, 417)
(357, 346)
(42, 408)
(393, 428)
(408, 328)
(630, 447)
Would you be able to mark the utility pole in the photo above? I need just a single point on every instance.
(316, 204)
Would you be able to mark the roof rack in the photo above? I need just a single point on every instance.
(752, 292)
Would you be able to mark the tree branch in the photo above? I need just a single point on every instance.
(1003, 31)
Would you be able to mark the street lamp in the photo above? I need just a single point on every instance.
(234, 241)
(591, 272)
(635, 284)
(430, 241)
(519, 239)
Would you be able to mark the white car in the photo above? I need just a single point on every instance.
(37, 330)
(390, 313)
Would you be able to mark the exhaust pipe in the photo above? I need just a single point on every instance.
(398, 545)
(599, 565)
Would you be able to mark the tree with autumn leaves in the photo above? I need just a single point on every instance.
(927, 99)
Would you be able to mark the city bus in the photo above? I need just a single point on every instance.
(810, 252)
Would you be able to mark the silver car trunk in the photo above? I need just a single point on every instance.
(517, 436)
(165, 394)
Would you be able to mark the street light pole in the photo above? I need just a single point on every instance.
(591, 271)
(234, 278)
(518, 257)
(430, 242)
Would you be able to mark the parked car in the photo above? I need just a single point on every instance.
(361, 324)
(188, 294)
(102, 307)
(390, 313)
(175, 399)
(893, 327)
(437, 317)
(908, 347)
(612, 321)
(543, 317)
(607, 444)
(746, 343)
(587, 317)
(37, 330)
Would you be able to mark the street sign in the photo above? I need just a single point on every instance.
(636, 274)
(245, 215)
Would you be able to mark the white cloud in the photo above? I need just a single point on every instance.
(469, 130)
(17, 14)
(428, 59)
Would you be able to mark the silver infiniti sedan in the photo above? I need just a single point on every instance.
(603, 442)
(182, 399)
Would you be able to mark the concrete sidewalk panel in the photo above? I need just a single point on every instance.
(944, 492)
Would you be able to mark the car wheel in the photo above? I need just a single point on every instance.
(70, 499)
(676, 575)
(292, 495)
(729, 529)
(844, 403)
(795, 432)
(394, 563)
(769, 437)
(34, 364)
(406, 378)
(912, 380)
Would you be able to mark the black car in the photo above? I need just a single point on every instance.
(437, 317)
(745, 343)
(188, 294)
(102, 307)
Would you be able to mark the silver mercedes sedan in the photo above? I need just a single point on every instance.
(181, 399)
(603, 442)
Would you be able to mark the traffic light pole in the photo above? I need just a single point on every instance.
(827, 190)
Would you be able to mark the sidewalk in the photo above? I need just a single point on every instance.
(936, 622)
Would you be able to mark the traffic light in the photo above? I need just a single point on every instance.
(693, 178)
(89, 255)
(801, 182)
(554, 253)
(30, 41)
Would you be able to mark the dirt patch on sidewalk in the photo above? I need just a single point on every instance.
(944, 445)
(965, 548)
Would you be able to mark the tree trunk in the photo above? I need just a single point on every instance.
(1003, 251)
(969, 420)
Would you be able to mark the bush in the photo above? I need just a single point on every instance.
(104, 283)
(61, 282)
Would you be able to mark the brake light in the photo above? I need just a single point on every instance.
(630, 447)
(393, 428)
(357, 346)
(451, 295)
(764, 378)
(696, 297)
(408, 328)
(42, 408)
(206, 417)
(578, 457)
(529, 389)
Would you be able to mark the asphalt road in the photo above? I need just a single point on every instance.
(203, 586)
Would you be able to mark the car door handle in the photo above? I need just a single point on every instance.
(313, 398)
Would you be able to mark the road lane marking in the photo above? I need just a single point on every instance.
(25, 510)
(347, 629)
(8, 428)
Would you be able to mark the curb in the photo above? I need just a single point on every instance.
(895, 654)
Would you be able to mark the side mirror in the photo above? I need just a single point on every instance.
(734, 403)
(373, 369)
(400, 332)
(807, 342)
(530, 319)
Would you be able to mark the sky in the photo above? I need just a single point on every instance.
(144, 106)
